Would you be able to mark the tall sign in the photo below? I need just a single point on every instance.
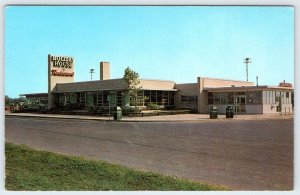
(60, 70)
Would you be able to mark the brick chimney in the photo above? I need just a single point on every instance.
(104, 70)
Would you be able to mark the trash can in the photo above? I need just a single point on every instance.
(213, 112)
(118, 113)
(229, 112)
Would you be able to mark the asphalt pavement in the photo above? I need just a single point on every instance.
(242, 154)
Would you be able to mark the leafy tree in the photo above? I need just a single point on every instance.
(8, 100)
(132, 89)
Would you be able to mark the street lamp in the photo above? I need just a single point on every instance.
(91, 72)
(90, 99)
(247, 61)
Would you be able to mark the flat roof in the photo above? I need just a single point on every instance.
(247, 88)
(35, 94)
(112, 84)
(223, 79)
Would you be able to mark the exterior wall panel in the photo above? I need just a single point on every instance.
(188, 89)
(254, 109)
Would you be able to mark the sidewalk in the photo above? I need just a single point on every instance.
(163, 118)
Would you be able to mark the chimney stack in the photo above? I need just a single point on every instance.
(104, 70)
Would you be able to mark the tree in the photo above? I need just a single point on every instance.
(132, 89)
(8, 100)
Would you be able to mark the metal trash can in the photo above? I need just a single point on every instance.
(118, 113)
(229, 112)
(213, 112)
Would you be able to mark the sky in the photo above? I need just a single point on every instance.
(178, 43)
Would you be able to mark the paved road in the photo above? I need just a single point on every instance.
(246, 155)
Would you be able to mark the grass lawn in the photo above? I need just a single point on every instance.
(31, 169)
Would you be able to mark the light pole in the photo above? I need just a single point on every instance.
(90, 95)
(91, 72)
(247, 61)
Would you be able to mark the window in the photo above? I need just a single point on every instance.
(216, 98)
(279, 97)
(159, 97)
(184, 99)
(99, 99)
(119, 98)
(82, 98)
(104, 96)
(153, 97)
(230, 97)
(68, 97)
(165, 98)
(73, 98)
(192, 98)
(287, 96)
(189, 99)
(257, 97)
(249, 96)
(171, 98)
(210, 98)
(223, 98)
(61, 99)
(147, 96)
(89, 99)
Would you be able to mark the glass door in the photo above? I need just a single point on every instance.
(240, 103)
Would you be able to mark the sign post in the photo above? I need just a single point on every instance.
(60, 70)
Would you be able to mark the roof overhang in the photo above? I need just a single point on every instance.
(34, 95)
(248, 88)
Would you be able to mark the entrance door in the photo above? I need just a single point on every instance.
(240, 102)
(278, 100)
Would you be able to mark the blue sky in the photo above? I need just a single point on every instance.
(176, 43)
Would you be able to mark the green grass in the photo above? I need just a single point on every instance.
(30, 169)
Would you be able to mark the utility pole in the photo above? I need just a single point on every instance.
(91, 72)
(256, 80)
(247, 61)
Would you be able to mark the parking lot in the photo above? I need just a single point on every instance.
(245, 155)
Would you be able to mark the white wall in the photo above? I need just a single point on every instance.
(287, 108)
(254, 109)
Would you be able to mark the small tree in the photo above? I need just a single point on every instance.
(7, 100)
(132, 90)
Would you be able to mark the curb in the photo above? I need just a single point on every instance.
(122, 120)
(55, 117)
(147, 121)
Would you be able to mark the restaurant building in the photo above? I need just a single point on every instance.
(246, 97)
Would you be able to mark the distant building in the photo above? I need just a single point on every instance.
(199, 96)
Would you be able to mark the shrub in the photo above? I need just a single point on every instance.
(153, 106)
(129, 109)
